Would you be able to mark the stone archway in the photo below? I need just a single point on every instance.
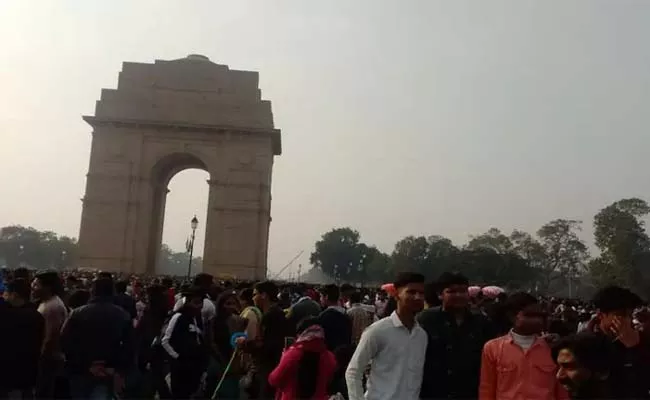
(163, 118)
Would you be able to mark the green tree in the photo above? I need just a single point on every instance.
(493, 240)
(620, 234)
(29, 247)
(428, 255)
(378, 267)
(340, 255)
(565, 255)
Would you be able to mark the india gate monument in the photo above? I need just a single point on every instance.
(163, 118)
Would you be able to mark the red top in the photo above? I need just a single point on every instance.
(285, 376)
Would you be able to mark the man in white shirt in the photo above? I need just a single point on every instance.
(208, 311)
(395, 346)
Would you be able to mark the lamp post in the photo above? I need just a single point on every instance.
(21, 255)
(194, 223)
(63, 255)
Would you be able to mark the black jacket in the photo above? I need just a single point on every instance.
(274, 328)
(127, 303)
(630, 370)
(337, 326)
(452, 365)
(99, 331)
(21, 338)
(183, 339)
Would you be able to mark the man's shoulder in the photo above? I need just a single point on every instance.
(380, 326)
(496, 342)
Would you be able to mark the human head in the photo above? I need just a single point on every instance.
(329, 295)
(204, 281)
(102, 287)
(453, 290)
(194, 299)
(346, 291)
(22, 273)
(17, 292)
(410, 292)
(167, 282)
(246, 297)
(78, 298)
(157, 298)
(120, 286)
(105, 275)
(526, 315)
(264, 294)
(227, 303)
(615, 303)
(355, 297)
(583, 360)
(45, 285)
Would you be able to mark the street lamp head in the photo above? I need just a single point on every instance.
(194, 223)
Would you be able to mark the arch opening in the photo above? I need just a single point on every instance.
(180, 191)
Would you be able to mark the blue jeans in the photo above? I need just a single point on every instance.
(90, 387)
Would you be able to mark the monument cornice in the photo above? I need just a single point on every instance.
(273, 133)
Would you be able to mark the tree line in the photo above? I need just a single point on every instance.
(31, 248)
(552, 260)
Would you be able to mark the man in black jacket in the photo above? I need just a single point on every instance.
(630, 364)
(97, 340)
(335, 322)
(21, 338)
(183, 342)
(452, 365)
(124, 300)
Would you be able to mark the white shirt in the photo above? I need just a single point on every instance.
(397, 357)
(208, 311)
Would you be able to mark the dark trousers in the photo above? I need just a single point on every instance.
(185, 379)
(18, 394)
(50, 371)
(90, 387)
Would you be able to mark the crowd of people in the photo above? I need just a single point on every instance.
(103, 336)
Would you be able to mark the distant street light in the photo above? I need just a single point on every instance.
(194, 223)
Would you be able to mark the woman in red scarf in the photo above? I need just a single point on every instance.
(306, 367)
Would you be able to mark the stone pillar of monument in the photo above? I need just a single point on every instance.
(163, 118)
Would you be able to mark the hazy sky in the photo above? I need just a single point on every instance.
(398, 117)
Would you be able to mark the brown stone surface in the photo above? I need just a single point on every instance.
(163, 118)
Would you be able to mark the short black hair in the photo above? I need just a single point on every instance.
(591, 350)
(51, 280)
(194, 292)
(105, 275)
(404, 278)
(268, 288)
(78, 298)
(615, 298)
(518, 301)
(355, 297)
(332, 292)
(20, 287)
(247, 295)
(103, 287)
(203, 280)
(120, 286)
(21, 272)
(448, 279)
